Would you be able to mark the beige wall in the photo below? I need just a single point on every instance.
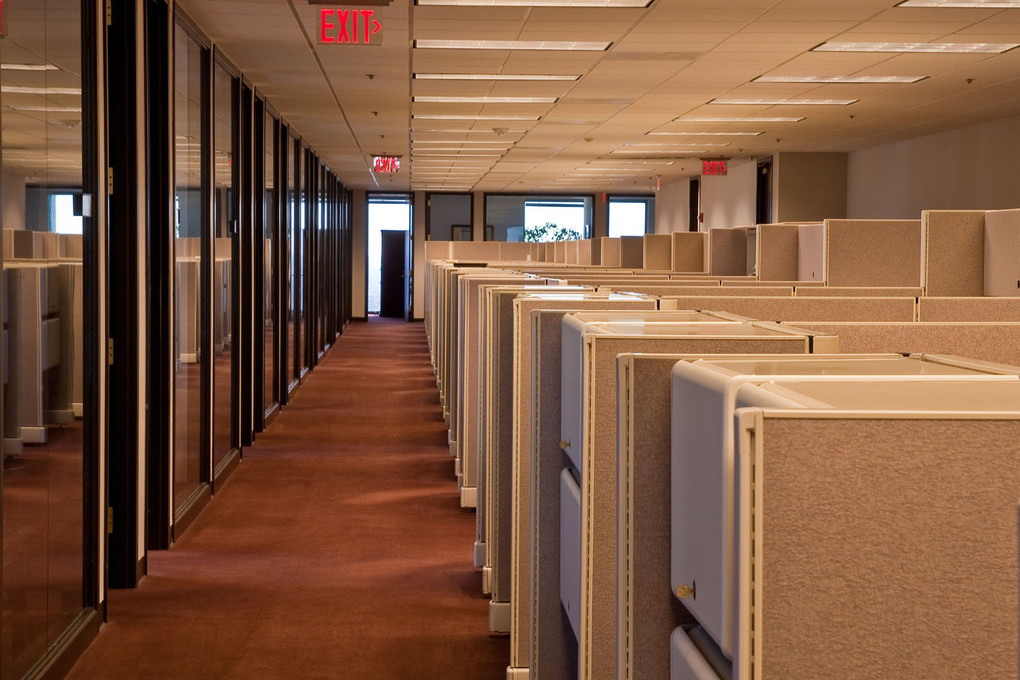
(972, 168)
(808, 187)
(672, 206)
(729, 200)
(13, 201)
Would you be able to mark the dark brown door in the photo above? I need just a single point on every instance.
(391, 280)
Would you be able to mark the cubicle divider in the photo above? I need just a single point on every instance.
(873, 253)
(727, 249)
(690, 252)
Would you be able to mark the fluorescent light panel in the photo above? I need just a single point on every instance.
(782, 102)
(907, 47)
(14, 89)
(560, 45)
(980, 4)
(739, 119)
(536, 3)
(485, 100)
(29, 67)
(491, 76)
(715, 134)
(671, 144)
(883, 80)
(46, 109)
(420, 116)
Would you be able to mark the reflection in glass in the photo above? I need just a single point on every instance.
(292, 207)
(188, 81)
(449, 217)
(537, 217)
(224, 232)
(269, 286)
(42, 444)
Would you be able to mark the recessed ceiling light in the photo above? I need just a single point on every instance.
(934, 48)
(717, 134)
(490, 76)
(485, 100)
(782, 102)
(562, 45)
(739, 119)
(983, 4)
(437, 116)
(839, 79)
(537, 3)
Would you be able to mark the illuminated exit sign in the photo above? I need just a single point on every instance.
(386, 164)
(349, 27)
(713, 167)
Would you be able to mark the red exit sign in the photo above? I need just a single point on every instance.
(349, 27)
(713, 167)
(386, 164)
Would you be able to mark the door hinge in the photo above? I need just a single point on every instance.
(109, 519)
(109, 180)
(109, 12)
(109, 352)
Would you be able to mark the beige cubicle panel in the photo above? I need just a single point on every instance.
(968, 309)
(610, 251)
(516, 252)
(728, 251)
(920, 553)
(993, 341)
(873, 252)
(657, 252)
(690, 252)
(777, 252)
(467, 362)
(954, 252)
(588, 436)
(505, 520)
(1002, 253)
(815, 308)
(802, 290)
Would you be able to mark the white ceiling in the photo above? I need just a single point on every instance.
(666, 62)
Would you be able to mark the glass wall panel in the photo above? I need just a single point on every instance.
(449, 217)
(537, 217)
(269, 389)
(189, 84)
(297, 264)
(224, 233)
(631, 215)
(292, 216)
(43, 278)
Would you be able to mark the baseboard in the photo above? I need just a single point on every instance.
(486, 580)
(479, 554)
(62, 655)
(517, 673)
(499, 617)
(469, 496)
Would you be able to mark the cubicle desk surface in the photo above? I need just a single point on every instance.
(588, 436)
(857, 420)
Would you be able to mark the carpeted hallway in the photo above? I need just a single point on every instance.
(337, 550)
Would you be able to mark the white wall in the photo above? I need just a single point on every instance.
(729, 200)
(976, 168)
(672, 207)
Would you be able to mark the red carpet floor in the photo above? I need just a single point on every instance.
(336, 550)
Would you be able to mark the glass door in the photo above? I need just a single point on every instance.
(190, 462)
(225, 233)
(48, 240)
